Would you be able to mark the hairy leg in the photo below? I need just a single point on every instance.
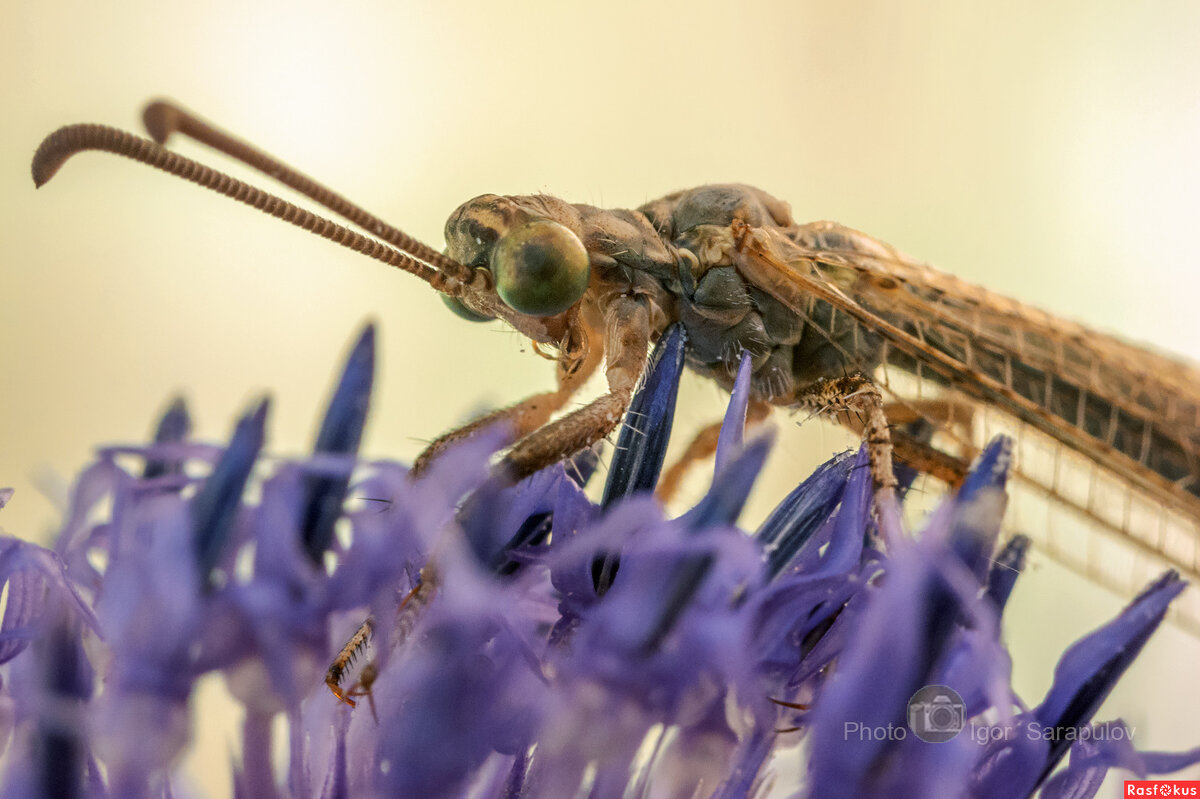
(626, 342)
(528, 415)
(946, 414)
(857, 393)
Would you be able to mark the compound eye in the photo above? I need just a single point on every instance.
(462, 311)
(540, 267)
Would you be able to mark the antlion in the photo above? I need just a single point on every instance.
(833, 320)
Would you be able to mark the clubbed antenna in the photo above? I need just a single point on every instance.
(56, 148)
(162, 118)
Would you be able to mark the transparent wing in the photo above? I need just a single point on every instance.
(1107, 433)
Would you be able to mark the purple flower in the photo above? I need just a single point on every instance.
(341, 432)
(1013, 765)
(528, 642)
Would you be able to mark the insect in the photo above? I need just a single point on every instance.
(1108, 434)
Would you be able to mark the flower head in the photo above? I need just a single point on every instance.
(527, 641)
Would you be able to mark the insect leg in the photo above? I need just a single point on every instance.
(858, 393)
(928, 459)
(626, 343)
(945, 413)
(628, 326)
(703, 445)
(337, 669)
(916, 452)
(407, 616)
(578, 363)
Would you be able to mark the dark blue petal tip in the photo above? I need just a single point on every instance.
(731, 488)
(802, 512)
(216, 504)
(990, 469)
(1090, 668)
(341, 433)
(342, 427)
(642, 442)
(733, 427)
(174, 426)
(1008, 565)
(979, 507)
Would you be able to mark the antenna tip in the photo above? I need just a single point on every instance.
(49, 157)
(161, 119)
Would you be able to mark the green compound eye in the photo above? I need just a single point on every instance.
(462, 311)
(540, 267)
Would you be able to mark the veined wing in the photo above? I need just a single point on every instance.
(1108, 434)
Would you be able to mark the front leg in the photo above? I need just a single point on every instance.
(626, 342)
(581, 356)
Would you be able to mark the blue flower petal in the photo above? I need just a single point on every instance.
(979, 508)
(466, 689)
(853, 520)
(906, 629)
(797, 609)
(335, 786)
(257, 776)
(216, 504)
(340, 433)
(1110, 745)
(990, 469)
(582, 465)
(1006, 569)
(730, 488)
(395, 533)
(26, 602)
(743, 775)
(174, 426)
(25, 605)
(720, 507)
(500, 518)
(279, 556)
(642, 441)
(61, 747)
(885, 662)
(37, 583)
(1090, 762)
(803, 511)
(1014, 765)
(1090, 667)
(643, 438)
(1169, 762)
(733, 427)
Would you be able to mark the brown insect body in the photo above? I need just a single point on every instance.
(676, 254)
(679, 255)
(810, 303)
(818, 301)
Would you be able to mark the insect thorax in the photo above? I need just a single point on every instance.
(679, 252)
(725, 314)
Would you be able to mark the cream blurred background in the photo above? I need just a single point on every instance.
(1047, 151)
